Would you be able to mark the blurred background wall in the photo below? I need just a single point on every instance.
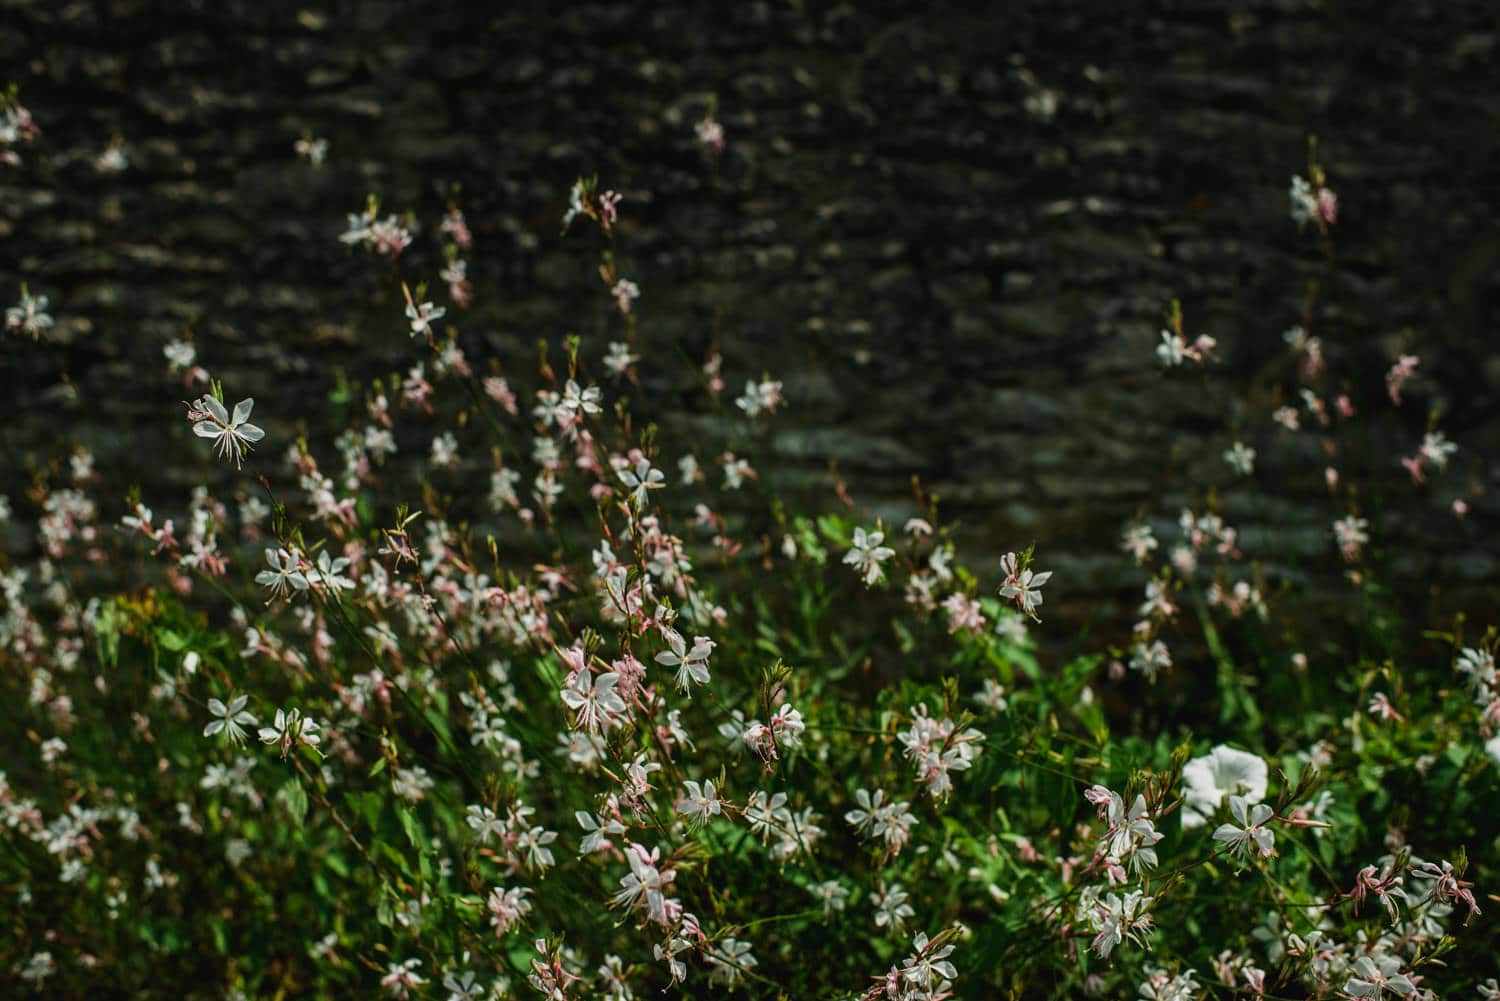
(951, 230)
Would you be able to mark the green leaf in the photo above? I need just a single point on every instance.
(172, 640)
(409, 825)
(295, 798)
(107, 633)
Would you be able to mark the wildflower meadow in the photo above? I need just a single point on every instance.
(533, 681)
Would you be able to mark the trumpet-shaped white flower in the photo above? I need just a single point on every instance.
(1222, 772)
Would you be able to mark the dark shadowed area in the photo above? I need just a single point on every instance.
(952, 232)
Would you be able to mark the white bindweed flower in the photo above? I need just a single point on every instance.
(232, 435)
(229, 719)
(1222, 772)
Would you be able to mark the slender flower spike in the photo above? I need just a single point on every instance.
(229, 719)
(1251, 831)
(232, 435)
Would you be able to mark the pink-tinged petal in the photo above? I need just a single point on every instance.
(242, 412)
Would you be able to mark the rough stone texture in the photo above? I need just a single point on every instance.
(951, 233)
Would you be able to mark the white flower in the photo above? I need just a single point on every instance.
(507, 908)
(597, 833)
(1241, 458)
(891, 908)
(1375, 976)
(1139, 542)
(402, 977)
(619, 359)
(30, 317)
(832, 894)
(640, 479)
(1436, 448)
(1304, 207)
(867, 554)
(284, 573)
(230, 718)
(699, 801)
(422, 316)
(1022, 586)
(289, 729)
(728, 960)
(180, 354)
(1171, 349)
(1251, 830)
(1222, 772)
(331, 572)
(692, 665)
(315, 151)
(232, 435)
(762, 397)
(593, 698)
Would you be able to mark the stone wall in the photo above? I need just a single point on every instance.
(951, 231)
